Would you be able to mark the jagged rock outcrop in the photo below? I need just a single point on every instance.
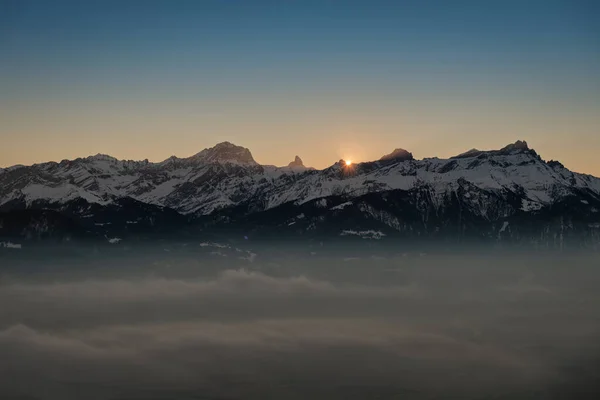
(296, 163)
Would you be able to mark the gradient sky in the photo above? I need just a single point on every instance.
(321, 79)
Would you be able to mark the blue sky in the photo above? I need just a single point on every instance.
(321, 79)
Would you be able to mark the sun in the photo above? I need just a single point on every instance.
(348, 162)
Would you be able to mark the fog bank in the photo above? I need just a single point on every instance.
(468, 331)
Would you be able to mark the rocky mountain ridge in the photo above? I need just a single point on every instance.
(225, 188)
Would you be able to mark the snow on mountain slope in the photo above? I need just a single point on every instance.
(520, 169)
(227, 175)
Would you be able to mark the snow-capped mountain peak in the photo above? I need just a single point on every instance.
(225, 152)
(398, 155)
(226, 175)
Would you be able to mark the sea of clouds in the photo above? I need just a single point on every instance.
(466, 331)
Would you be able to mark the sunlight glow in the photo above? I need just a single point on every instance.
(348, 162)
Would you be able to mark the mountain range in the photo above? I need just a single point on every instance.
(510, 195)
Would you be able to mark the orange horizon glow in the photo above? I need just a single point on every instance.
(273, 152)
(78, 81)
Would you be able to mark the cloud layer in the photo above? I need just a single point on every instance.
(245, 335)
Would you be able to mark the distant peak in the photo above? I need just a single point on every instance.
(518, 145)
(469, 153)
(225, 145)
(225, 152)
(101, 157)
(473, 151)
(398, 154)
(296, 163)
(555, 164)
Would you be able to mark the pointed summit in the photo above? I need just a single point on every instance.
(296, 163)
(225, 152)
(398, 155)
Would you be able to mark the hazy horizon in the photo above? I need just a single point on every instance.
(262, 163)
(323, 80)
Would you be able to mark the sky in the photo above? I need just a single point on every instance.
(320, 79)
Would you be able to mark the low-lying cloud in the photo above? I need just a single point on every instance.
(246, 335)
(274, 357)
